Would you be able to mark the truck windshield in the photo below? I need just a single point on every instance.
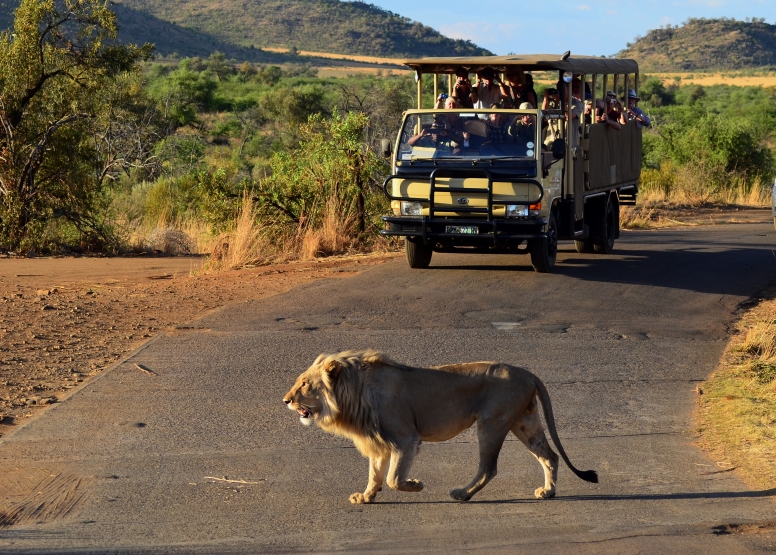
(468, 135)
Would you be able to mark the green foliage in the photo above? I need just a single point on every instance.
(733, 146)
(331, 161)
(56, 66)
(655, 94)
(185, 92)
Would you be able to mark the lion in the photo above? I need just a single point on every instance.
(387, 409)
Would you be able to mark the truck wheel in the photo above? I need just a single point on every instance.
(583, 246)
(605, 244)
(418, 254)
(544, 251)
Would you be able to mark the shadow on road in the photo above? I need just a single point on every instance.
(693, 266)
(604, 497)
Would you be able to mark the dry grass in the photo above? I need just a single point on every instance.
(343, 71)
(333, 235)
(737, 410)
(333, 56)
(709, 79)
(246, 245)
(664, 190)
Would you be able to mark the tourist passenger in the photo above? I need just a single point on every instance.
(516, 87)
(498, 126)
(452, 121)
(463, 88)
(486, 92)
(614, 108)
(436, 137)
(602, 116)
(523, 129)
(551, 127)
(577, 109)
(635, 113)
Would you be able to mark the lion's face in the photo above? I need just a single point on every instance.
(308, 396)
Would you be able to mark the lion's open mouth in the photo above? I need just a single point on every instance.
(303, 412)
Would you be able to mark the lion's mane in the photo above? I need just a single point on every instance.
(348, 394)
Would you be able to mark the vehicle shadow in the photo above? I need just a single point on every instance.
(700, 266)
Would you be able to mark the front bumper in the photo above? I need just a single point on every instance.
(492, 233)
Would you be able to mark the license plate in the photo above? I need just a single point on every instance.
(463, 230)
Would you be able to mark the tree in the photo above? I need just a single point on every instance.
(331, 167)
(247, 70)
(53, 63)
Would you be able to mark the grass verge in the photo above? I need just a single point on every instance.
(668, 193)
(737, 405)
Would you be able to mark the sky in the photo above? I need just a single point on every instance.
(601, 27)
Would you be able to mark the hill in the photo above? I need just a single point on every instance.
(317, 25)
(706, 44)
(239, 28)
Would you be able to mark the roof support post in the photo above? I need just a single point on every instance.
(627, 82)
(569, 147)
(420, 91)
(436, 87)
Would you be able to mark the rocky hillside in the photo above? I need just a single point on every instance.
(240, 28)
(706, 44)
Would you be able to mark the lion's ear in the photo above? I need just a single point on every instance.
(332, 368)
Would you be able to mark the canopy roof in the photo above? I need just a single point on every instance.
(528, 62)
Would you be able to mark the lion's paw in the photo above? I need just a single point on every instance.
(460, 495)
(359, 499)
(542, 493)
(413, 485)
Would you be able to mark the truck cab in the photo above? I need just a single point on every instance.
(493, 180)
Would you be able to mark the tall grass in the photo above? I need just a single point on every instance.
(690, 186)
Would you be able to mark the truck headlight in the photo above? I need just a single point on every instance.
(517, 211)
(411, 208)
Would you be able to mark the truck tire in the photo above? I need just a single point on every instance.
(418, 253)
(544, 251)
(584, 245)
(605, 243)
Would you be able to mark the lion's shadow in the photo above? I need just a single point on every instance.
(608, 497)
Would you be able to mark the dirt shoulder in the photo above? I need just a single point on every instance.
(737, 404)
(658, 216)
(64, 320)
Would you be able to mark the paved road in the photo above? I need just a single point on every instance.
(621, 341)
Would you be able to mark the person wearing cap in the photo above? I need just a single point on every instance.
(486, 92)
(614, 108)
(523, 129)
(602, 116)
(635, 113)
(463, 88)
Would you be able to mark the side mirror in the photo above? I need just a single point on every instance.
(386, 148)
(558, 148)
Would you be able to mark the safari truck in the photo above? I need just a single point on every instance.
(479, 195)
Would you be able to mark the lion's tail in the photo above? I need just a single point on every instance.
(544, 396)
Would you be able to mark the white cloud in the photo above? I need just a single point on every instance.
(708, 3)
(583, 8)
(480, 32)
